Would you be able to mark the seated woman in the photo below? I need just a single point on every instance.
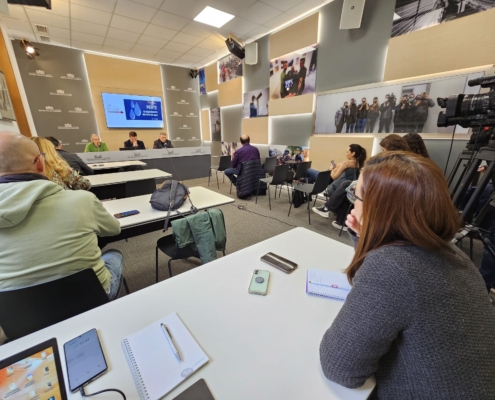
(416, 144)
(57, 169)
(346, 170)
(418, 316)
(394, 142)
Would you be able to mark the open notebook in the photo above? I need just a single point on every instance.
(155, 368)
(333, 285)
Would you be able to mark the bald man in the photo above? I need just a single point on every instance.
(96, 145)
(245, 153)
(47, 232)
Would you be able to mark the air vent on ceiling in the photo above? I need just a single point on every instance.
(41, 29)
(45, 39)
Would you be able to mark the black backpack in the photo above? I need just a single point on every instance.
(299, 198)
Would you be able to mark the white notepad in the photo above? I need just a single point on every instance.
(155, 368)
(333, 285)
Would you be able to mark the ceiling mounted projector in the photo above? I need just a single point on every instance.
(235, 46)
(35, 3)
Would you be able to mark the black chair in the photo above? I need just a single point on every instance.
(302, 169)
(313, 189)
(139, 188)
(270, 164)
(30, 309)
(222, 166)
(280, 176)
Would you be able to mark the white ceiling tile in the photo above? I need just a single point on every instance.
(163, 59)
(86, 46)
(260, 12)
(211, 43)
(185, 8)
(118, 44)
(151, 3)
(190, 58)
(280, 20)
(59, 7)
(169, 53)
(17, 24)
(22, 35)
(133, 10)
(128, 24)
(184, 64)
(282, 5)
(113, 50)
(59, 41)
(160, 32)
(90, 14)
(88, 27)
(303, 7)
(120, 34)
(169, 20)
(198, 29)
(234, 7)
(180, 47)
(102, 5)
(17, 12)
(44, 18)
(88, 38)
(185, 38)
(197, 51)
(259, 31)
(149, 50)
(152, 41)
(240, 26)
(58, 32)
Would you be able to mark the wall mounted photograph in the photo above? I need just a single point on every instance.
(414, 15)
(215, 125)
(288, 154)
(255, 104)
(229, 148)
(202, 81)
(6, 109)
(294, 74)
(228, 68)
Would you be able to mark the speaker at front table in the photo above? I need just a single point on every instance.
(352, 14)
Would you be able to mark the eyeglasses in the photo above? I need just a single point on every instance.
(38, 156)
(351, 192)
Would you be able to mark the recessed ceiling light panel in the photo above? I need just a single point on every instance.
(212, 16)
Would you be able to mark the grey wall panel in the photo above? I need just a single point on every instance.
(58, 93)
(209, 100)
(182, 168)
(182, 106)
(231, 119)
(290, 130)
(355, 56)
(438, 149)
(258, 76)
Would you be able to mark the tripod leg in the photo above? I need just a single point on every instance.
(466, 181)
(470, 206)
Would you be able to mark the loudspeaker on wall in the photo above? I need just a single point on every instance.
(251, 53)
(352, 13)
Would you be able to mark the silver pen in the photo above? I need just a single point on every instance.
(171, 342)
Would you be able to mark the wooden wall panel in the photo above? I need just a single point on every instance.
(256, 129)
(294, 37)
(211, 77)
(292, 105)
(15, 96)
(205, 125)
(463, 43)
(230, 93)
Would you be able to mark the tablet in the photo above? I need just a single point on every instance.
(33, 374)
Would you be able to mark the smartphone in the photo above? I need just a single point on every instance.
(84, 359)
(126, 214)
(333, 163)
(259, 282)
(279, 262)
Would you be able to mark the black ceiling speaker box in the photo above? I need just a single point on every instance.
(36, 3)
(235, 46)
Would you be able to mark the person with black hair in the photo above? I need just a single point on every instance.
(416, 144)
(133, 142)
(373, 114)
(73, 160)
(302, 76)
(351, 117)
(386, 114)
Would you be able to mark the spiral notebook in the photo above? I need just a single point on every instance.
(330, 284)
(153, 365)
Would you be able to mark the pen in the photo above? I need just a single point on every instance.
(333, 286)
(171, 341)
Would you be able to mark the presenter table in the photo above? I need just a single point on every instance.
(114, 166)
(260, 347)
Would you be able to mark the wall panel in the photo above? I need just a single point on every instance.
(256, 129)
(205, 125)
(292, 105)
(231, 119)
(211, 77)
(257, 76)
(324, 149)
(230, 93)
(290, 130)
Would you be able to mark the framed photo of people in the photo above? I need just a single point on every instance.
(6, 109)
(255, 104)
(228, 68)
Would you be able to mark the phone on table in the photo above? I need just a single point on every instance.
(279, 262)
(259, 282)
(333, 164)
(126, 214)
(84, 359)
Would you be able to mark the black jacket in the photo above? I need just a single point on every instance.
(140, 145)
(157, 144)
(75, 162)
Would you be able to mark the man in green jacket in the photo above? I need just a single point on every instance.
(96, 145)
(285, 65)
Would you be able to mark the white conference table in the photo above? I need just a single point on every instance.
(123, 177)
(260, 347)
(115, 165)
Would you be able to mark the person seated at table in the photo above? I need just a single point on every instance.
(299, 156)
(416, 144)
(163, 142)
(47, 232)
(418, 316)
(133, 142)
(96, 145)
(245, 153)
(57, 169)
(72, 159)
(394, 142)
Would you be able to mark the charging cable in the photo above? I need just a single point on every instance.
(81, 390)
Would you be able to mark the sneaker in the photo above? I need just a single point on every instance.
(336, 225)
(323, 211)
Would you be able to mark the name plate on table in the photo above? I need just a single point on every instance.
(112, 156)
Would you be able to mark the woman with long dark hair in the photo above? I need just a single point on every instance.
(416, 144)
(418, 317)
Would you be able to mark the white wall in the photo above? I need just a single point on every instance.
(8, 126)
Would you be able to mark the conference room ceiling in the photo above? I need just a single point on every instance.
(155, 30)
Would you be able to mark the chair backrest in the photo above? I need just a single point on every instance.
(30, 309)
(138, 188)
(302, 168)
(321, 183)
(224, 163)
(270, 164)
(280, 175)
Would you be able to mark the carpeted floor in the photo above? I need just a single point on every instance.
(245, 227)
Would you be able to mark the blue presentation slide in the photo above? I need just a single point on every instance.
(130, 111)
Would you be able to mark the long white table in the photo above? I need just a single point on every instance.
(116, 165)
(123, 177)
(260, 347)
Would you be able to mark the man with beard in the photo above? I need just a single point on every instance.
(402, 115)
(372, 116)
(386, 115)
(352, 117)
(341, 117)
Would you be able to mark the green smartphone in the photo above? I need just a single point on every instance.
(259, 282)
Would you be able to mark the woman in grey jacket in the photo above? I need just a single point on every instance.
(418, 316)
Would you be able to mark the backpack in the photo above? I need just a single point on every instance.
(170, 197)
(299, 198)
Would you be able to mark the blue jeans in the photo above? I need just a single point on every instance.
(361, 124)
(114, 263)
(350, 128)
(311, 174)
(229, 173)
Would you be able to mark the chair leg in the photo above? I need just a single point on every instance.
(314, 204)
(156, 264)
(170, 267)
(218, 185)
(257, 191)
(309, 213)
(288, 193)
(290, 208)
(223, 251)
(269, 200)
(341, 230)
(471, 247)
(280, 192)
(230, 187)
(209, 176)
(126, 287)
(223, 180)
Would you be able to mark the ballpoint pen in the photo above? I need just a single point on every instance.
(333, 286)
(171, 341)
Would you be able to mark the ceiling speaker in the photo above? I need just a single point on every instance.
(352, 13)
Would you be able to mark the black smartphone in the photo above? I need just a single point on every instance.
(279, 262)
(126, 214)
(84, 359)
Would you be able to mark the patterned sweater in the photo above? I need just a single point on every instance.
(73, 182)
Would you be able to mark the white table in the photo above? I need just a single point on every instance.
(259, 347)
(115, 165)
(123, 177)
